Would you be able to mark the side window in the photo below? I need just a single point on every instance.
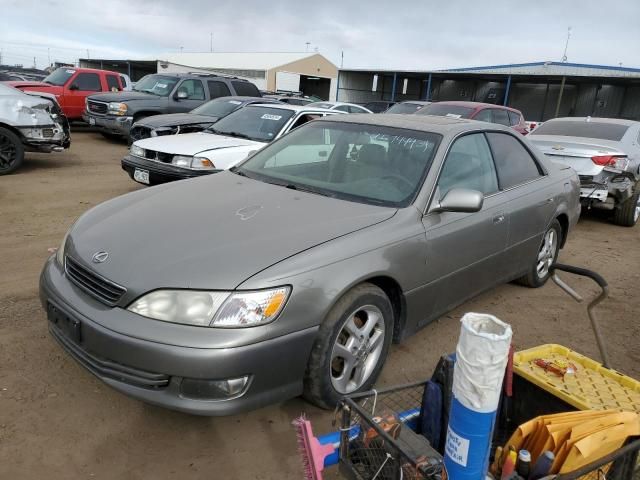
(514, 163)
(484, 116)
(343, 108)
(469, 165)
(245, 89)
(501, 117)
(112, 83)
(514, 118)
(302, 119)
(193, 88)
(353, 109)
(88, 82)
(123, 81)
(218, 89)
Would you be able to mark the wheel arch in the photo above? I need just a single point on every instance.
(563, 220)
(12, 129)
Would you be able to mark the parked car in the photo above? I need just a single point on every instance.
(114, 113)
(291, 99)
(219, 147)
(127, 84)
(29, 122)
(606, 154)
(72, 86)
(378, 106)
(410, 106)
(194, 121)
(293, 272)
(484, 112)
(340, 106)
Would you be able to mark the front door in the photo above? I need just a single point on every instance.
(189, 95)
(465, 251)
(77, 89)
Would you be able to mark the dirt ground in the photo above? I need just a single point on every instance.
(57, 421)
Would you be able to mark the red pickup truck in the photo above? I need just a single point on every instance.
(72, 86)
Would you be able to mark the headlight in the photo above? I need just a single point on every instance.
(117, 108)
(60, 251)
(213, 309)
(198, 163)
(137, 151)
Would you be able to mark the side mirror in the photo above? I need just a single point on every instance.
(460, 200)
(181, 95)
(74, 86)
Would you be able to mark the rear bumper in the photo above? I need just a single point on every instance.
(109, 123)
(153, 372)
(607, 187)
(160, 172)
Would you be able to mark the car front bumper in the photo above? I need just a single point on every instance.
(109, 123)
(160, 172)
(153, 372)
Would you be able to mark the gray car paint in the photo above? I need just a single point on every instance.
(253, 235)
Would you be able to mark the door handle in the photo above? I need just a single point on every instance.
(498, 218)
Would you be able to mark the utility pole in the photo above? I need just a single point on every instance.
(566, 45)
(48, 56)
(342, 59)
(211, 42)
(88, 57)
(307, 44)
(181, 48)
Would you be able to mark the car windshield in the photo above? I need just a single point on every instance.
(220, 107)
(405, 108)
(362, 163)
(320, 105)
(59, 76)
(446, 110)
(582, 128)
(262, 124)
(156, 84)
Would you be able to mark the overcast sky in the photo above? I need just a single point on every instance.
(416, 34)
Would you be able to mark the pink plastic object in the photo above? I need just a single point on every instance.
(311, 451)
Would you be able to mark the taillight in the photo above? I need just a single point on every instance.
(617, 161)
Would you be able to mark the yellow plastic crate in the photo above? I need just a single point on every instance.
(591, 387)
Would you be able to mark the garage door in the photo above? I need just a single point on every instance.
(289, 82)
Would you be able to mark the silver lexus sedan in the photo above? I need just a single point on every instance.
(293, 272)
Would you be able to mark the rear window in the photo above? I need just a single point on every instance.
(582, 128)
(444, 110)
(218, 89)
(514, 118)
(246, 89)
(112, 83)
(405, 108)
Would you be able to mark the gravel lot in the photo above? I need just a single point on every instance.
(59, 422)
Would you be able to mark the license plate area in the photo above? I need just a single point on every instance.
(594, 193)
(141, 176)
(69, 327)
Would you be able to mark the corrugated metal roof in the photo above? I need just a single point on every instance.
(236, 60)
(552, 68)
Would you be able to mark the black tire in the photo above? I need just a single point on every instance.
(533, 279)
(626, 214)
(111, 136)
(11, 151)
(318, 381)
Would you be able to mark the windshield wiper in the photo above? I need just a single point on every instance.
(300, 188)
(235, 134)
(237, 171)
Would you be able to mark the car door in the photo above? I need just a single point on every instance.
(77, 89)
(217, 89)
(195, 96)
(465, 251)
(531, 196)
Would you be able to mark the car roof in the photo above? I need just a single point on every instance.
(475, 105)
(424, 123)
(244, 98)
(617, 121)
(288, 106)
(417, 102)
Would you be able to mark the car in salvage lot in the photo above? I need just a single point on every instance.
(219, 147)
(606, 154)
(31, 122)
(293, 272)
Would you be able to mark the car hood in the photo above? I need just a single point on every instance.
(176, 119)
(123, 96)
(213, 232)
(36, 86)
(193, 143)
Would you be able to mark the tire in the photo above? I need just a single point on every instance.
(547, 255)
(627, 213)
(11, 151)
(111, 136)
(329, 376)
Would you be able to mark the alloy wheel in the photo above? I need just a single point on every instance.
(636, 213)
(547, 253)
(8, 153)
(357, 349)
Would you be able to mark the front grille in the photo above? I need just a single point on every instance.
(96, 107)
(158, 156)
(93, 284)
(108, 368)
(47, 132)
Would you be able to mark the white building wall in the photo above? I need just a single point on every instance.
(166, 67)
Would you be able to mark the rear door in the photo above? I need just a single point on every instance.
(77, 88)
(530, 195)
(465, 251)
(195, 96)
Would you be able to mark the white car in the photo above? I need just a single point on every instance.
(341, 107)
(219, 147)
(606, 154)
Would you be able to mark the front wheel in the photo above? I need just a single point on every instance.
(547, 254)
(627, 214)
(11, 151)
(352, 345)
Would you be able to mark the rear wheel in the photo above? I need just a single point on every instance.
(352, 345)
(11, 151)
(547, 254)
(627, 214)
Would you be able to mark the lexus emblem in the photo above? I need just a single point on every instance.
(100, 257)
